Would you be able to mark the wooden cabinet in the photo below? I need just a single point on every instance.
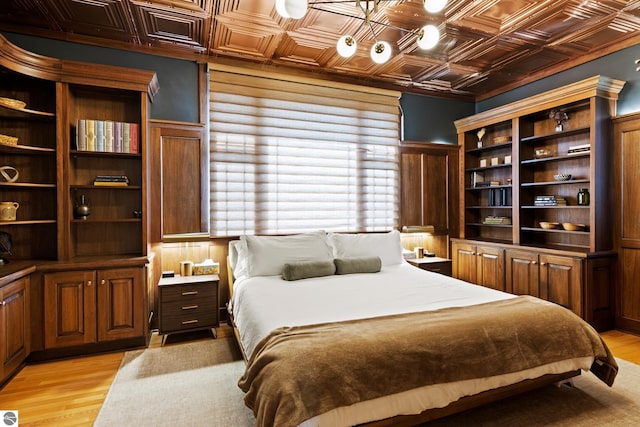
(84, 307)
(14, 326)
(580, 282)
(510, 185)
(429, 191)
(551, 277)
(479, 264)
(627, 230)
(522, 274)
(179, 147)
(188, 303)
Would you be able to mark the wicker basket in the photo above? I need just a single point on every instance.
(8, 140)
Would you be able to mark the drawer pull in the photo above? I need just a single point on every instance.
(189, 322)
(190, 293)
(189, 307)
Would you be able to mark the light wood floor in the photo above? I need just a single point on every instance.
(71, 392)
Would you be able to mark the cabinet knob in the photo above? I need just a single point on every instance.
(479, 253)
(89, 283)
(473, 253)
(102, 282)
(534, 262)
(543, 263)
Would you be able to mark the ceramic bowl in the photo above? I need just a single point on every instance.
(549, 225)
(562, 177)
(573, 227)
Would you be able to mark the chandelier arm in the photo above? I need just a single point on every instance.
(414, 32)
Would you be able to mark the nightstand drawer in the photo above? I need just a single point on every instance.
(187, 318)
(187, 292)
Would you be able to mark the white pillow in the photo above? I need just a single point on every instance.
(267, 255)
(387, 246)
(238, 258)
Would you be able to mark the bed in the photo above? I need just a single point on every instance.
(337, 329)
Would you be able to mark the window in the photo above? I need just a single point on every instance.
(291, 154)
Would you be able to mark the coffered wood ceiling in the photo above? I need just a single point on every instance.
(486, 46)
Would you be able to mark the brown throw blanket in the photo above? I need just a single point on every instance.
(299, 372)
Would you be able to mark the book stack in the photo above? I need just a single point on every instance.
(107, 136)
(487, 183)
(550, 201)
(579, 149)
(497, 220)
(111, 180)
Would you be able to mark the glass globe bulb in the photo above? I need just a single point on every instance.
(295, 9)
(434, 6)
(380, 52)
(346, 46)
(429, 37)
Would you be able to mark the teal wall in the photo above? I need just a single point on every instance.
(430, 119)
(177, 98)
(619, 65)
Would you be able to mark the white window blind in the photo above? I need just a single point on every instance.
(290, 155)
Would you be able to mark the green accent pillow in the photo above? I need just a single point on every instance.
(370, 264)
(306, 269)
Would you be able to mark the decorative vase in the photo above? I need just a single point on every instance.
(82, 209)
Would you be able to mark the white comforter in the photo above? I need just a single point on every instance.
(261, 304)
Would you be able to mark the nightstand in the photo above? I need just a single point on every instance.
(435, 264)
(188, 303)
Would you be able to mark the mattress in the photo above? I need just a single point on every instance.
(263, 303)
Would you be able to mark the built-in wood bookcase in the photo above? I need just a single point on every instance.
(54, 174)
(114, 226)
(34, 158)
(488, 190)
(511, 156)
(522, 149)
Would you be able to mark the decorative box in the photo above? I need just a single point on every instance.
(507, 160)
(496, 161)
(206, 267)
(483, 163)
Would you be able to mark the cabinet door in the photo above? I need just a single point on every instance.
(69, 308)
(121, 303)
(14, 326)
(464, 261)
(561, 281)
(522, 273)
(490, 267)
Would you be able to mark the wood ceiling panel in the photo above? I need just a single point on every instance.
(26, 13)
(173, 22)
(486, 46)
(99, 18)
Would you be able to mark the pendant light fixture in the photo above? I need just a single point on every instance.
(427, 37)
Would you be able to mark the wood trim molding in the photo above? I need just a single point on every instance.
(601, 86)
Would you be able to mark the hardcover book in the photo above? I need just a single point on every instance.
(99, 135)
(81, 135)
(117, 137)
(91, 135)
(108, 136)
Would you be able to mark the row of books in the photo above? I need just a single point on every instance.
(107, 136)
(493, 220)
(577, 149)
(111, 180)
(550, 201)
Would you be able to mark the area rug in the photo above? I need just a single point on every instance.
(195, 384)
